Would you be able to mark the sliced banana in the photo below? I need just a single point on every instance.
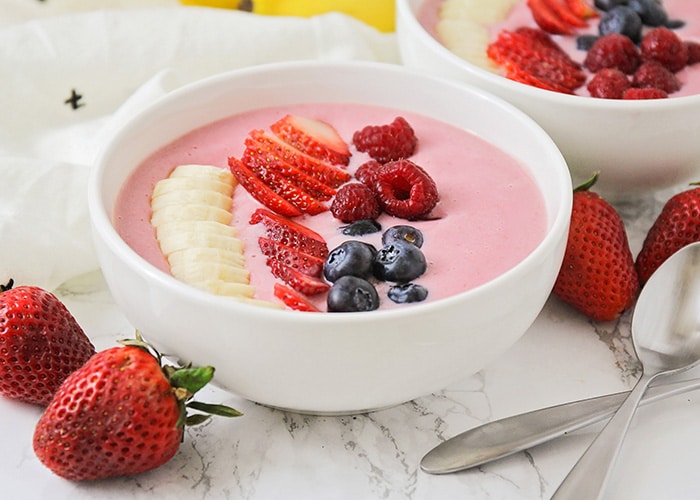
(191, 212)
(464, 27)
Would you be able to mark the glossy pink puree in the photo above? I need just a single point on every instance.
(685, 10)
(490, 216)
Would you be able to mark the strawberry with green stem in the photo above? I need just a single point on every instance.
(122, 413)
(597, 276)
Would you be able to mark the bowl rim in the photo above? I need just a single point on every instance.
(404, 12)
(102, 223)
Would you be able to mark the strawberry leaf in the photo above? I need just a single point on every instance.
(214, 409)
(192, 379)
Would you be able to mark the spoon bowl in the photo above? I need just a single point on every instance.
(666, 336)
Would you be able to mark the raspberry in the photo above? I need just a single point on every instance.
(651, 74)
(648, 93)
(608, 83)
(365, 172)
(693, 49)
(405, 190)
(613, 51)
(387, 143)
(665, 47)
(355, 201)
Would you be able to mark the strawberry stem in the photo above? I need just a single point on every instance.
(589, 183)
(10, 284)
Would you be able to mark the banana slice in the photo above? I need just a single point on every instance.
(191, 212)
(464, 27)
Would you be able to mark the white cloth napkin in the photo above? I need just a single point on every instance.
(113, 62)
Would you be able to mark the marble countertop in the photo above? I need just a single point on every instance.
(270, 454)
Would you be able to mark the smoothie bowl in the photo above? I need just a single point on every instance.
(492, 239)
(638, 145)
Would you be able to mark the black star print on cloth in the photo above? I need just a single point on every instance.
(74, 99)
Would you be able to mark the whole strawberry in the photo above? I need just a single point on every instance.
(597, 276)
(677, 225)
(122, 413)
(41, 344)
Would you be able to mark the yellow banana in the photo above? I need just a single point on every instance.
(377, 13)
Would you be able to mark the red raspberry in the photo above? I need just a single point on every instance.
(665, 47)
(355, 201)
(365, 172)
(613, 51)
(648, 93)
(405, 190)
(693, 49)
(651, 74)
(387, 143)
(608, 83)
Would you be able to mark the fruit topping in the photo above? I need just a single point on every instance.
(362, 227)
(351, 258)
(405, 190)
(623, 21)
(399, 262)
(290, 233)
(693, 52)
(302, 283)
(292, 257)
(292, 299)
(651, 12)
(403, 233)
(609, 83)
(582, 8)
(352, 294)
(651, 74)
(665, 47)
(597, 276)
(648, 93)
(386, 143)
(532, 57)
(355, 201)
(613, 51)
(555, 16)
(313, 137)
(42, 344)
(407, 292)
(365, 172)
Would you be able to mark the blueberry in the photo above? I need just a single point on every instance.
(352, 294)
(585, 42)
(651, 12)
(403, 233)
(606, 5)
(674, 24)
(399, 262)
(352, 257)
(362, 227)
(622, 20)
(408, 292)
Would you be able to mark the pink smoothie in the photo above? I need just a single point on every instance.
(490, 216)
(520, 15)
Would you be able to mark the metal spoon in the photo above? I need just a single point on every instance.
(666, 336)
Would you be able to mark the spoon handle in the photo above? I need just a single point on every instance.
(590, 474)
(501, 438)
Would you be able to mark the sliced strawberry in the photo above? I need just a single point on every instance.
(302, 283)
(582, 8)
(562, 10)
(314, 137)
(260, 191)
(548, 18)
(292, 299)
(323, 171)
(290, 191)
(257, 157)
(290, 233)
(292, 257)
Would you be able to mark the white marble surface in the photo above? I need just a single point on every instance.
(270, 454)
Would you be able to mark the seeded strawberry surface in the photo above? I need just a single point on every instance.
(41, 344)
(677, 225)
(597, 276)
(114, 416)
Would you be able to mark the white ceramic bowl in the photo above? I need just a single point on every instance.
(331, 363)
(639, 146)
